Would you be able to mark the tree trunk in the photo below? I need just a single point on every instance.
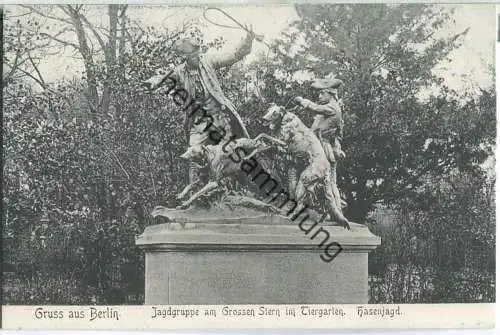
(110, 54)
(86, 53)
(121, 43)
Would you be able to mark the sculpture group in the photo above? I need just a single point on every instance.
(215, 161)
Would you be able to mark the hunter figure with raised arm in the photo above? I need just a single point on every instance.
(196, 74)
(328, 124)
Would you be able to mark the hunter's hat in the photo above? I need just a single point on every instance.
(190, 42)
(328, 84)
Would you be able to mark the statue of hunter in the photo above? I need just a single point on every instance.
(196, 74)
(328, 124)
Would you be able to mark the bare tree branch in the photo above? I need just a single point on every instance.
(86, 53)
(19, 15)
(94, 31)
(122, 13)
(65, 10)
(35, 67)
(6, 78)
(38, 81)
(60, 41)
(36, 11)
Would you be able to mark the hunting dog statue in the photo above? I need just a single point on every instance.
(221, 163)
(301, 140)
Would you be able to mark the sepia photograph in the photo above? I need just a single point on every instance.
(266, 154)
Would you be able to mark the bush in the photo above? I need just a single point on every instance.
(444, 252)
(406, 284)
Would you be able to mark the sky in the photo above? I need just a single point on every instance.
(467, 70)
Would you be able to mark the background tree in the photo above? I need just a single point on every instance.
(79, 183)
(414, 169)
(385, 54)
(59, 23)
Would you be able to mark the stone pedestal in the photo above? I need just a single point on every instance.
(200, 263)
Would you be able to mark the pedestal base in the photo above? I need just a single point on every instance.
(255, 264)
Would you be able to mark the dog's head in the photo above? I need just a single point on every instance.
(273, 117)
(196, 154)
